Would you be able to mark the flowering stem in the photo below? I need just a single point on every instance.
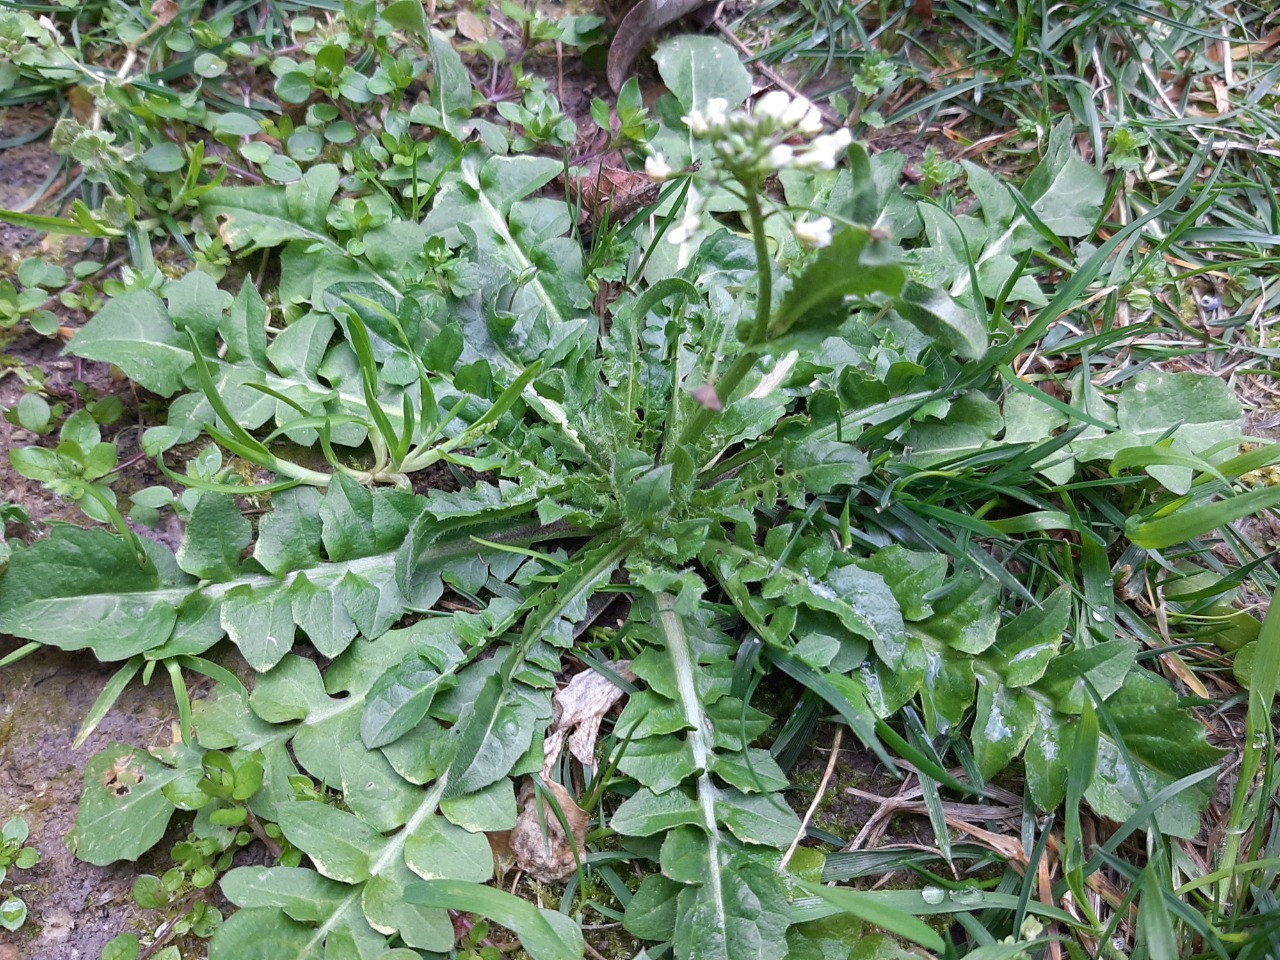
(727, 384)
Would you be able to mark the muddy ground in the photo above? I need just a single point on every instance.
(74, 908)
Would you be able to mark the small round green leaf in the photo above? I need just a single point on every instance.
(123, 947)
(236, 125)
(149, 893)
(210, 65)
(257, 152)
(305, 146)
(294, 87)
(340, 131)
(13, 913)
(164, 158)
(156, 440)
(281, 169)
(33, 413)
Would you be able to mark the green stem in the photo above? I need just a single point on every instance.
(697, 424)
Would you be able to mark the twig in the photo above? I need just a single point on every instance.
(817, 797)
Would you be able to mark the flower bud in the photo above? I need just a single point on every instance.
(813, 234)
(776, 105)
(657, 168)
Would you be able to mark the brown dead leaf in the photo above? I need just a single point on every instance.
(164, 11)
(473, 26)
(1221, 102)
(82, 103)
(612, 192)
(578, 710)
(538, 840)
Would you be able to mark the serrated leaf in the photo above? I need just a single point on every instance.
(853, 265)
(259, 622)
(1025, 645)
(739, 913)
(388, 910)
(289, 537)
(659, 763)
(253, 217)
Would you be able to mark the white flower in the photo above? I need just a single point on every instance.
(781, 156)
(825, 150)
(696, 122)
(717, 112)
(657, 168)
(813, 234)
(796, 111)
(775, 104)
(811, 123)
(685, 229)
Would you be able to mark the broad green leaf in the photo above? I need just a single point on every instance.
(966, 617)
(1025, 645)
(659, 763)
(409, 16)
(911, 576)
(490, 809)
(1196, 411)
(969, 425)
(254, 217)
(85, 588)
(739, 912)
(941, 317)
(266, 933)
(399, 699)
(1004, 722)
(645, 813)
(696, 69)
(214, 539)
(303, 894)
(260, 622)
(339, 844)
(388, 910)
(134, 332)
(1065, 192)
(1158, 744)
(885, 917)
(289, 536)
(860, 598)
(544, 934)
(438, 850)
(853, 265)
(123, 812)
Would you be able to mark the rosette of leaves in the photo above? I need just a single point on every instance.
(685, 457)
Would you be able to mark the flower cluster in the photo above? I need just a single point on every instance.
(780, 132)
(753, 144)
